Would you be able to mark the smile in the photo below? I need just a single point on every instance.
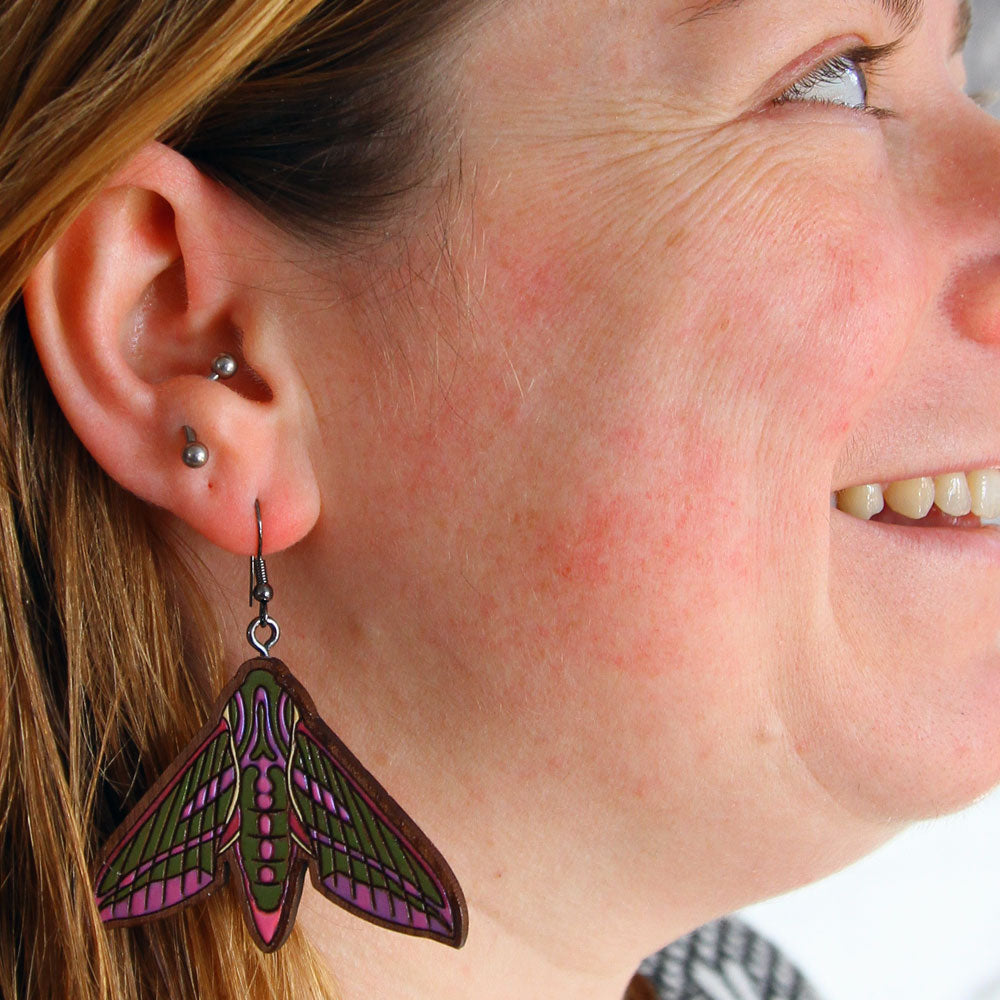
(953, 499)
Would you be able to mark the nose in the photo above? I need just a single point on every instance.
(969, 194)
(974, 299)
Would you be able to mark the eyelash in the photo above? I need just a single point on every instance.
(867, 58)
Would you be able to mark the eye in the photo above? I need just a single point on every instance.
(841, 80)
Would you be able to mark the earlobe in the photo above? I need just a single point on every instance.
(128, 310)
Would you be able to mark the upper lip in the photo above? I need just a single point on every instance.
(895, 471)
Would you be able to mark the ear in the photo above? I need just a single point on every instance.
(163, 271)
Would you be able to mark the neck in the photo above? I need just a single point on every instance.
(366, 961)
(575, 860)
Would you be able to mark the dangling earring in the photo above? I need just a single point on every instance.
(264, 790)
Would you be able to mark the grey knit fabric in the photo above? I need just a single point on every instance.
(725, 960)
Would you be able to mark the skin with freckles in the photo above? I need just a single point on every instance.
(574, 591)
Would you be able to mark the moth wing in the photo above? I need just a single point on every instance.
(369, 856)
(168, 853)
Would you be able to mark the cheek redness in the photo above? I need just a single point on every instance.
(589, 549)
(658, 525)
(527, 283)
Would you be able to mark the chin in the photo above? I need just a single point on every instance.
(917, 758)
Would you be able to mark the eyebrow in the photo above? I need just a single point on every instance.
(906, 14)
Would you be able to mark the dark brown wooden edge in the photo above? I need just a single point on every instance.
(640, 988)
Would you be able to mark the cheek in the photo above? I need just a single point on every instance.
(624, 483)
(689, 403)
(773, 328)
(681, 396)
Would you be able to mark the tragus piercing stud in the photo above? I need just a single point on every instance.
(195, 454)
(223, 367)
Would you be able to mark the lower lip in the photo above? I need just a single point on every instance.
(977, 545)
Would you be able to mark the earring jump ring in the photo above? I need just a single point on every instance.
(265, 621)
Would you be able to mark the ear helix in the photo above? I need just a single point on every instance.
(195, 454)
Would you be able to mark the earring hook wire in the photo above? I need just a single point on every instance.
(262, 592)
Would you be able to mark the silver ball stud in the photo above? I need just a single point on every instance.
(195, 454)
(224, 366)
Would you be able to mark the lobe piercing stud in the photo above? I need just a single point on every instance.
(195, 454)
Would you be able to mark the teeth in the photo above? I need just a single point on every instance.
(861, 501)
(954, 493)
(984, 485)
(951, 494)
(912, 498)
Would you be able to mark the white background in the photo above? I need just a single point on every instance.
(920, 919)
(917, 920)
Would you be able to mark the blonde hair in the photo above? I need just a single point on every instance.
(94, 660)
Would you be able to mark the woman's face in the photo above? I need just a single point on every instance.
(589, 488)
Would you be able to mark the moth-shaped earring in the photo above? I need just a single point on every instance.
(263, 791)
